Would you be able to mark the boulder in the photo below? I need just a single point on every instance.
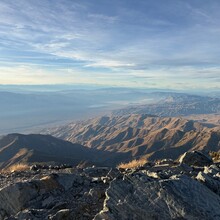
(54, 196)
(209, 181)
(97, 171)
(165, 161)
(195, 158)
(177, 198)
(14, 198)
(210, 178)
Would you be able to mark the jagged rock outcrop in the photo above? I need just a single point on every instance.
(137, 197)
(210, 177)
(55, 196)
(163, 190)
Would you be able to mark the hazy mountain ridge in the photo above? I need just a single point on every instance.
(142, 135)
(35, 108)
(25, 111)
(175, 104)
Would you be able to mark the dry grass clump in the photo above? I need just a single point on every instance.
(17, 167)
(132, 164)
(214, 155)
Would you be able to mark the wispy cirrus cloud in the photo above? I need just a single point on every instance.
(158, 43)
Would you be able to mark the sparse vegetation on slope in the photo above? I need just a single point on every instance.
(16, 168)
(215, 156)
(132, 164)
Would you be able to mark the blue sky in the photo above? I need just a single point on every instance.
(143, 43)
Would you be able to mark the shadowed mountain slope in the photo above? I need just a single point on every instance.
(34, 148)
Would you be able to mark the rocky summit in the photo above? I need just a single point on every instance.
(163, 190)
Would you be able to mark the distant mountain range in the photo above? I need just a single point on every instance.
(141, 135)
(175, 104)
(28, 111)
(110, 140)
(23, 111)
(120, 136)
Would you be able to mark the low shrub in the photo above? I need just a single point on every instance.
(132, 164)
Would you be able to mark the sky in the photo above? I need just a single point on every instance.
(171, 44)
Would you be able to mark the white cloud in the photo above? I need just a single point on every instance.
(119, 45)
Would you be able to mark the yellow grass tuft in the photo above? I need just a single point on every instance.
(17, 167)
(215, 156)
(132, 164)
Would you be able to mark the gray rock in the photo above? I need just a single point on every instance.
(165, 162)
(97, 171)
(195, 158)
(14, 198)
(29, 214)
(209, 179)
(17, 197)
(3, 214)
(67, 180)
(159, 191)
(184, 198)
(63, 214)
(51, 197)
(153, 174)
(96, 193)
(213, 169)
(35, 167)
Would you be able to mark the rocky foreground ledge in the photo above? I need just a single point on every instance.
(186, 189)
